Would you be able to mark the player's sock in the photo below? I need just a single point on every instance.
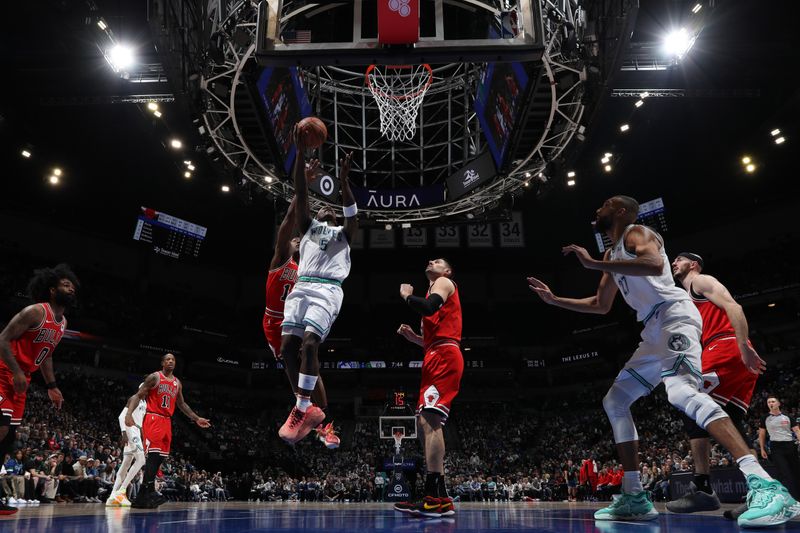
(750, 466)
(305, 382)
(441, 487)
(631, 482)
(703, 483)
(303, 402)
(432, 484)
(151, 467)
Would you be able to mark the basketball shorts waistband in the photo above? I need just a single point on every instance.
(158, 414)
(314, 279)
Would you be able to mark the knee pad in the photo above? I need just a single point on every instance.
(617, 404)
(683, 393)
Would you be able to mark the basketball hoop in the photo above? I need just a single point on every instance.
(398, 441)
(398, 90)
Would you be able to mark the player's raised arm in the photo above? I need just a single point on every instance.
(302, 218)
(184, 407)
(141, 395)
(28, 318)
(638, 240)
(348, 200)
(441, 289)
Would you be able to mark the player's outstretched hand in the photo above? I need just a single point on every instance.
(203, 423)
(56, 397)
(311, 169)
(752, 360)
(581, 253)
(406, 290)
(541, 289)
(406, 332)
(344, 169)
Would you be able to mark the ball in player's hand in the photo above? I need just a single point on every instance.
(313, 131)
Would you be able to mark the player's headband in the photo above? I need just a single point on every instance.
(692, 257)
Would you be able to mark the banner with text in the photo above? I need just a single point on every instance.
(399, 198)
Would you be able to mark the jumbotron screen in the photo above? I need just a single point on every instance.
(651, 214)
(169, 236)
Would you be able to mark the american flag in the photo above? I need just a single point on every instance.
(297, 37)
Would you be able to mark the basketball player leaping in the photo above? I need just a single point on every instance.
(280, 280)
(162, 391)
(669, 353)
(730, 369)
(442, 368)
(133, 455)
(27, 344)
(314, 303)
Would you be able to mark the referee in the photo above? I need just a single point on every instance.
(782, 448)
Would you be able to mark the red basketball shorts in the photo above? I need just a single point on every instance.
(272, 331)
(12, 404)
(157, 431)
(725, 377)
(442, 368)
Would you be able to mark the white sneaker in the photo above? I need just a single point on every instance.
(33, 502)
(12, 502)
(112, 500)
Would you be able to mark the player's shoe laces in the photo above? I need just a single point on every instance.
(768, 503)
(629, 506)
(694, 501)
(327, 435)
(300, 424)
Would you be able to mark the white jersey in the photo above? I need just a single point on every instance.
(138, 415)
(646, 293)
(324, 253)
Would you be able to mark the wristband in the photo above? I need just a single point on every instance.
(350, 211)
(51, 385)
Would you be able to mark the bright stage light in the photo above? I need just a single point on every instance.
(571, 174)
(526, 184)
(102, 24)
(175, 143)
(56, 171)
(152, 106)
(746, 160)
(187, 162)
(571, 183)
(780, 140)
(53, 180)
(775, 132)
(608, 154)
(750, 168)
(268, 179)
(607, 168)
(157, 114)
(121, 57)
(696, 9)
(190, 167)
(187, 174)
(26, 154)
(225, 188)
(677, 43)
(624, 128)
(639, 103)
(605, 160)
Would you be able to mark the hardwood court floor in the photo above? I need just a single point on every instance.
(538, 517)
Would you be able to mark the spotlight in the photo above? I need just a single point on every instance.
(571, 183)
(225, 188)
(175, 143)
(152, 106)
(56, 171)
(644, 95)
(157, 113)
(387, 227)
(26, 154)
(268, 179)
(696, 9)
(780, 140)
(187, 174)
(771, 304)
(775, 132)
(470, 216)
(678, 42)
(605, 160)
(607, 168)
(624, 128)
(750, 168)
(639, 103)
(526, 184)
(187, 162)
(527, 174)
(190, 167)
(53, 180)
(608, 155)
(746, 160)
(102, 24)
(120, 57)
(571, 174)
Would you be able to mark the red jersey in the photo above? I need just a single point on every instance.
(161, 398)
(444, 324)
(36, 344)
(715, 320)
(280, 282)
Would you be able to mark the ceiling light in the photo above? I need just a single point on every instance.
(771, 304)
(605, 160)
(775, 132)
(678, 42)
(639, 103)
(607, 168)
(187, 162)
(696, 9)
(780, 140)
(120, 57)
(190, 167)
(527, 174)
(608, 154)
(527, 184)
(56, 171)
(187, 174)
(750, 168)
(26, 154)
(387, 227)
(175, 143)
(152, 106)
(571, 174)
(157, 114)
(102, 24)
(644, 95)
(746, 160)
(571, 183)
(268, 179)
(53, 180)
(624, 128)
(225, 188)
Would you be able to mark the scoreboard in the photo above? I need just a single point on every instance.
(651, 214)
(168, 235)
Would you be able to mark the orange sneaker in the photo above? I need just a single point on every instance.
(327, 435)
(299, 424)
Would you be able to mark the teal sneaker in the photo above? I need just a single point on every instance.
(768, 504)
(628, 506)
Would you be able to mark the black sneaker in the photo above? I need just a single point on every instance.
(733, 514)
(430, 507)
(694, 501)
(144, 501)
(405, 507)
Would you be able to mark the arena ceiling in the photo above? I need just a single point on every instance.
(61, 99)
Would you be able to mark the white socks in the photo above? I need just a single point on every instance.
(750, 466)
(631, 482)
(305, 382)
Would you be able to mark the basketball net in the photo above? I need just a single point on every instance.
(398, 442)
(398, 90)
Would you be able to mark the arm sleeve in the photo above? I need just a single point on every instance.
(425, 306)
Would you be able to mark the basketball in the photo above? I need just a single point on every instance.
(313, 131)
